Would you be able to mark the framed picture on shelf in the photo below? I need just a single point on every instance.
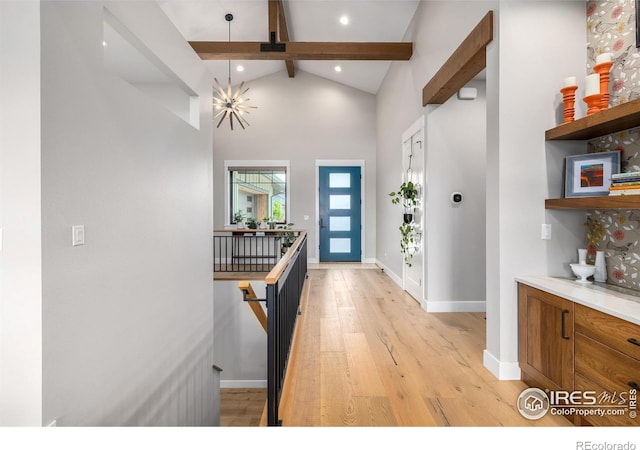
(590, 175)
(637, 23)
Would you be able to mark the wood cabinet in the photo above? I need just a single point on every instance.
(570, 347)
(545, 328)
(607, 360)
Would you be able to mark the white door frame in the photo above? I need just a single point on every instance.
(340, 163)
(415, 128)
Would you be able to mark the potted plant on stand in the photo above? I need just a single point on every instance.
(238, 218)
(407, 196)
(287, 237)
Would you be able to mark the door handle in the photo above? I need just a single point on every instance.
(564, 314)
(321, 223)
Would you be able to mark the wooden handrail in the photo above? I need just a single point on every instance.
(277, 271)
(245, 286)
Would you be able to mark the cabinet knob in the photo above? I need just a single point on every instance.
(633, 341)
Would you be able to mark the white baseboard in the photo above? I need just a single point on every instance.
(501, 370)
(391, 274)
(235, 384)
(461, 306)
(369, 261)
(312, 260)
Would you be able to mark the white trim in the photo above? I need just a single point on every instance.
(456, 306)
(501, 370)
(413, 129)
(369, 260)
(266, 163)
(396, 279)
(312, 260)
(342, 163)
(234, 384)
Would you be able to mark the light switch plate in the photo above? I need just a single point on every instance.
(77, 235)
(545, 232)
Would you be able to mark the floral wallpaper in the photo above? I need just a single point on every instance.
(611, 28)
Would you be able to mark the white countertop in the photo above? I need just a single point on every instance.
(602, 297)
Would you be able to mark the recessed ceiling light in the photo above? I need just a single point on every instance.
(344, 20)
(105, 43)
(337, 69)
(240, 68)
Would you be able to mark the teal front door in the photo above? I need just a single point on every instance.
(340, 214)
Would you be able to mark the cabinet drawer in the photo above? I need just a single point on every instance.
(612, 370)
(584, 384)
(616, 333)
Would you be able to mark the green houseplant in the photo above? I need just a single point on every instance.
(287, 237)
(238, 218)
(407, 196)
(252, 223)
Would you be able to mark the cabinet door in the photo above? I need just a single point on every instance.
(546, 341)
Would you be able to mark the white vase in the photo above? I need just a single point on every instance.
(601, 269)
(582, 256)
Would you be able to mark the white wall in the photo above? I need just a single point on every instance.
(20, 253)
(240, 340)
(302, 120)
(526, 64)
(455, 150)
(456, 162)
(128, 317)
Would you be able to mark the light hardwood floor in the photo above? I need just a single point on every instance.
(242, 407)
(366, 354)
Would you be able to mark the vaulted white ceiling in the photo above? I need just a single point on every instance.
(308, 21)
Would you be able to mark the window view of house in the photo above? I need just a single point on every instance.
(259, 194)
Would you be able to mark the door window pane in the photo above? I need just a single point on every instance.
(339, 180)
(339, 202)
(339, 223)
(340, 245)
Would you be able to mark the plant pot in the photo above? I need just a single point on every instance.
(408, 218)
(240, 225)
(411, 194)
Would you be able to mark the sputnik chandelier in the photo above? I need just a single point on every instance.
(231, 104)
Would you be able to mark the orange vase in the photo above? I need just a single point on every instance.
(569, 100)
(593, 102)
(603, 69)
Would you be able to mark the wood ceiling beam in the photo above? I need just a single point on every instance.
(325, 51)
(283, 36)
(465, 63)
(273, 18)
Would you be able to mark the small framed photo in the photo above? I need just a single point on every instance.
(590, 175)
(637, 23)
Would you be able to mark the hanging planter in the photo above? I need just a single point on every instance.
(407, 196)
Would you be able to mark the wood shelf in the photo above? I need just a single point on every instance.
(613, 202)
(612, 120)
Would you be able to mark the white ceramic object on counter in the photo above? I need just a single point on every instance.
(600, 274)
(582, 271)
(582, 256)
